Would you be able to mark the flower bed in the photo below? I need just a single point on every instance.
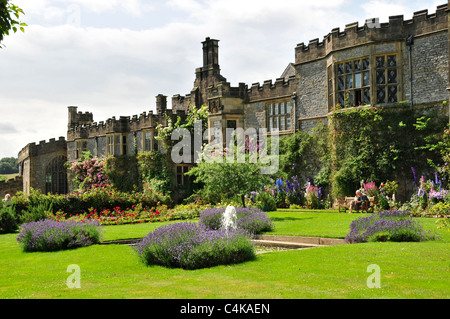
(51, 235)
(254, 221)
(192, 246)
(387, 226)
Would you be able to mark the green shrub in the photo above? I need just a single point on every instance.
(266, 202)
(8, 221)
(380, 236)
(36, 213)
(36, 205)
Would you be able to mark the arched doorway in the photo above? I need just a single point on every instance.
(56, 176)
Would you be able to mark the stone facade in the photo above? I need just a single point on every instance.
(375, 64)
(42, 166)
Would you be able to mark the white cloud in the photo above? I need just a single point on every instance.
(133, 7)
(383, 9)
(185, 5)
(56, 9)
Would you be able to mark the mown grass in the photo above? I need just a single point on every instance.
(408, 270)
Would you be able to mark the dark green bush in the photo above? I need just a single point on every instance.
(266, 202)
(8, 220)
(35, 213)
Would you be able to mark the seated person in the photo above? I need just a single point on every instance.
(360, 202)
(7, 198)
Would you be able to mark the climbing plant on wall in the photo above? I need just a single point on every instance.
(378, 144)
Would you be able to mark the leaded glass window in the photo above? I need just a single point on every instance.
(116, 144)
(368, 80)
(147, 141)
(279, 115)
(56, 176)
(182, 179)
(80, 147)
(353, 82)
(387, 78)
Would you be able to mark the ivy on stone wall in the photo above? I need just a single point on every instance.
(306, 156)
(123, 172)
(154, 170)
(379, 144)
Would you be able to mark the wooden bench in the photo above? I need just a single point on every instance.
(344, 204)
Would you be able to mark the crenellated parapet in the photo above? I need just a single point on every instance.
(397, 29)
(122, 124)
(33, 149)
(225, 90)
(281, 87)
(79, 118)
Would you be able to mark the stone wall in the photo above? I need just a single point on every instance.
(11, 186)
(429, 59)
(397, 29)
(312, 96)
(34, 160)
(255, 115)
(430, 68)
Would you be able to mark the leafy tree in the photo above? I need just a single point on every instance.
(222, 181)
(9, 18)
(8, 165)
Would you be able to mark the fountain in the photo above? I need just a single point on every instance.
(229, 218)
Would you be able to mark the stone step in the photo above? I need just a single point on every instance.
(290, 245)
(302, 240)
(131, 241)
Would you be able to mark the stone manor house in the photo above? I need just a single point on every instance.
(378, 64)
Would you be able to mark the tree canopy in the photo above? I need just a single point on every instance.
(8, 165)
(9, 18)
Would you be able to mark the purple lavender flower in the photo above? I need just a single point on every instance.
(51, 235)
(191, 246)
(389, 225)
(252, 220)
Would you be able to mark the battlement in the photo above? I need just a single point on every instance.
(224, 89)
(121, 125)
(33, 149)
(281, 87)
(77, 118)
(397, 29)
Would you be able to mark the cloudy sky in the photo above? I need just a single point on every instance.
(112, 57)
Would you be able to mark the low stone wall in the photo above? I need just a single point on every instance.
(11, 186)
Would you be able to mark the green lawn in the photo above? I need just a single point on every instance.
(408, 270)
(8, 176)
